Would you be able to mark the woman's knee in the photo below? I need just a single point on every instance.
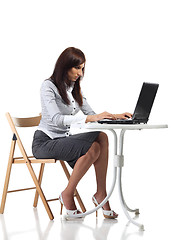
(94, 152)
(103, 139)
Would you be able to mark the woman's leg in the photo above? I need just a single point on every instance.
(100, 166)
(81, 167)
(97, 155)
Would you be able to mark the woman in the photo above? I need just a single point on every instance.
(61, 99)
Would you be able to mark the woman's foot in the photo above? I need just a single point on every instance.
(107, 212)
(100, 198)
(70, 211)
(68, 201)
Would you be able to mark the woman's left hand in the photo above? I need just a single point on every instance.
(125, 115)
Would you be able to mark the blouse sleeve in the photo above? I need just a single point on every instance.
(85, 108)
(50, 101)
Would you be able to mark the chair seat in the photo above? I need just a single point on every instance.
(32, 159)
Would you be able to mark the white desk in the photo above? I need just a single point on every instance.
(118, 161)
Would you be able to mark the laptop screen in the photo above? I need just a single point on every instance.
(145, 101)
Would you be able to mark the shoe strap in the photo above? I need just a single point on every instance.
(105, 212)
(108, 212)
(95, 200)
(72, 212)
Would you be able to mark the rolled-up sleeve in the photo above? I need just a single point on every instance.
(68, 120)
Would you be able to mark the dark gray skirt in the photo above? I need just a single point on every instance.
(68, 149)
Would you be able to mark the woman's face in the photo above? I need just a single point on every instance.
(75, 72)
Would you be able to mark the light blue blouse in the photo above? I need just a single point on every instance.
(58, 116)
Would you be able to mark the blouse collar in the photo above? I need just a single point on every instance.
(70, 88)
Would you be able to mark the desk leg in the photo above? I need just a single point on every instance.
(120, 165)
(121, 144)
(136, 211)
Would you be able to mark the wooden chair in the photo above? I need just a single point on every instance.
(29, 160)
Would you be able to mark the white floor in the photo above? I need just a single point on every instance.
(21, 221)
(30, 224)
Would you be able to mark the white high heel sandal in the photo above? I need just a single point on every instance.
(106, 213)
(68, 212)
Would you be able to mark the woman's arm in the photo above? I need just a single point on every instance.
(49, 102)
(93, 117)
(103, 115)
(85, 108)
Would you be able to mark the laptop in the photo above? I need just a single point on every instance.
(143, 106)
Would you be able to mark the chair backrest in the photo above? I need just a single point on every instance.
(26, 122)
(21, 122)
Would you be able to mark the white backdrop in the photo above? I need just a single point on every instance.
(125, 42)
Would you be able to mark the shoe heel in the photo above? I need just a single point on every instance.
(61, 202)
(61, 209)
(96, 210)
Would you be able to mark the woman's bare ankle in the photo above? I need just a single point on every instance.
(68, 199)
(100, 196)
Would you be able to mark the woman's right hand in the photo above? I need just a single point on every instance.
(100, 116)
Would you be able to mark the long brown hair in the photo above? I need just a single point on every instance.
(70, 57)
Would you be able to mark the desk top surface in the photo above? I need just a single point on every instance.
(105, 126)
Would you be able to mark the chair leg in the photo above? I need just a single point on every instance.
(40, 192)
(39, 181)
(7, 178)
(81, 204)
(76, 192)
